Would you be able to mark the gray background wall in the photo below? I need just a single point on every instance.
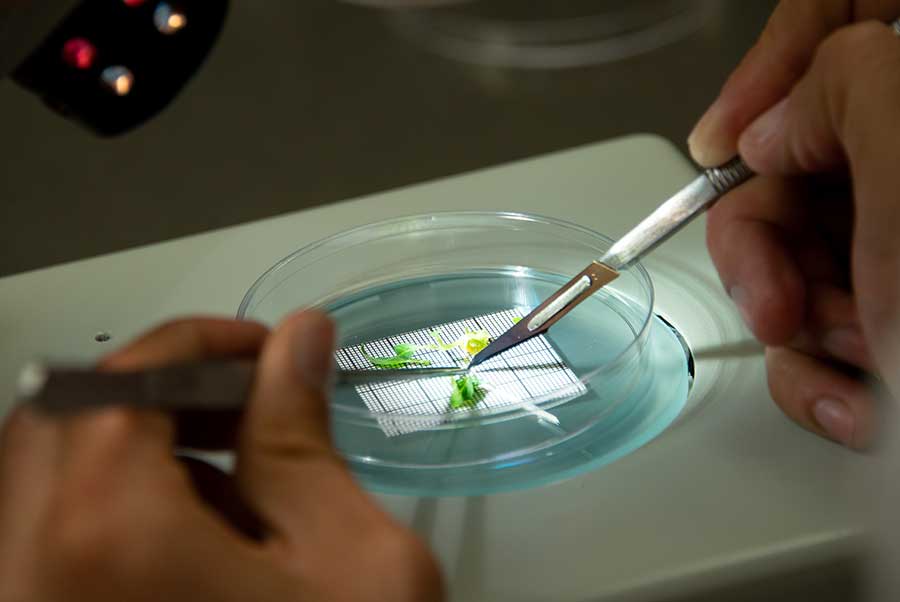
(303, 103)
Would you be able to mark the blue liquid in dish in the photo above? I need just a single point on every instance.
(637, 384)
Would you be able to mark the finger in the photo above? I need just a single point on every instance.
(821, 398)
(834, 322)
(28, 444)
(148, 541)
(124, 509)
(832, 329)
(29, 448)
(287, 468)
(780, 57)
(288, 408)
(108, 441)
(747, 236)
(217, 489)
(845, 109)
(285, 428)
(318, 520)
(189, 339)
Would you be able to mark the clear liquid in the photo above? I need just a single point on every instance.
(594, 333)
(625, 404)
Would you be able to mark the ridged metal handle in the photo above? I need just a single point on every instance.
(729, 176)
(677, 212)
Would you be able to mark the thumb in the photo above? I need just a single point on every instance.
(844, 114)
(284, 441)
(288, 409)
(319, 519)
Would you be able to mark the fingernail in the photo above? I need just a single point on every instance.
(313, 343)
(708, 143)
(835, 419)
(845, 343)
(741, 299)
(762, 135)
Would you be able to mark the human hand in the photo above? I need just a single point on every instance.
(809, 251)
(96, 507)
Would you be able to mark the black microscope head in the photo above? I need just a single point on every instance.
(109, 64)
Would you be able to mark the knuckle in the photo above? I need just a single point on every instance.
(189, 330)
(95, 525)
(84, 543)
(185, 332)
(116, 424)
(849, 48)
(178, 325)
(113, 432)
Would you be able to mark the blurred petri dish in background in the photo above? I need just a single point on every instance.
(553, 34)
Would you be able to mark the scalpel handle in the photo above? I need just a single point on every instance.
(676, 213)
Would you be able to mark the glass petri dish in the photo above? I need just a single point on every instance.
(549, 35)
(624, 375)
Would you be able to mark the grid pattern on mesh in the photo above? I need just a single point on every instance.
(529, 370)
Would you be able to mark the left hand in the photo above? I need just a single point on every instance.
(95, 507)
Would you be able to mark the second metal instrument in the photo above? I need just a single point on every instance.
(196, 386)
(666, 220)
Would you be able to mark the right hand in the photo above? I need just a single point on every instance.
(814, 262)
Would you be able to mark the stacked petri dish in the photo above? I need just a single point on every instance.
(547, 35)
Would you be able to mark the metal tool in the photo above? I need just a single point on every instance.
(226, 385)
(669, 218)
(191, 386)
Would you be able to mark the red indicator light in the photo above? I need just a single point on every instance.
(133, 2)
(79, 53)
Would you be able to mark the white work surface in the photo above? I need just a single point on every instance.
(732, 492)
